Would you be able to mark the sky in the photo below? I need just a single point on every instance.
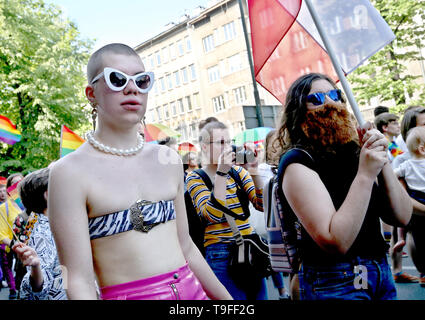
(126, 21)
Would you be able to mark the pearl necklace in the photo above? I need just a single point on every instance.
(119, 152)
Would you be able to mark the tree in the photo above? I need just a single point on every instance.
(42, 77)
(385, 75)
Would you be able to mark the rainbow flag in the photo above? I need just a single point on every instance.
(69, 141)
(14, 195)
(8, 132)
(394, 149)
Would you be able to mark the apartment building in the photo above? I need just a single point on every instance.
(202, 69)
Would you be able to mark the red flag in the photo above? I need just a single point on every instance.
(286, 43)
(282, 49)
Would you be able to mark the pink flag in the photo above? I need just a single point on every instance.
(286, 43)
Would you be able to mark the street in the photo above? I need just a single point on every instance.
(405, 291)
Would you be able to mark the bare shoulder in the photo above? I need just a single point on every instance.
(163, 155)
(71, 168)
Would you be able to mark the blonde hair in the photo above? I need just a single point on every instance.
(415, 138)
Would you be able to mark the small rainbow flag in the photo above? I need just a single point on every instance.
(14, 195)
(8, 132)
(3, 181)
(69, 141)
(394, 149)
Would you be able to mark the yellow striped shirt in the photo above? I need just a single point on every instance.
(218, 230)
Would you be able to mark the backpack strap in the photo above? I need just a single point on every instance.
(204, 178)
(240, 194)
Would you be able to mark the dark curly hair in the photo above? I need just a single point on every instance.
(290, 133)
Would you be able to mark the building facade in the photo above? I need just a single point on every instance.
(201, 69)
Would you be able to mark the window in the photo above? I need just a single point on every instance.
(192, 72)
(208, 43)
(299, 41)
(177, 78)
(180, 48)
(278, 85)
(213, 74)
(196, 102)
(240, 95)
(173, 108)
(180, 105)
(169, 82)
(162, 82)
(158, 113)
(165, 54)
(172, 51)
(151, 60)
(183, 130)
(235, 63)
(188, 103)
(217, 38)
(229, 31)
(185, 77)
(166, 111)
(158, 58)
(188, 44)
(192, 130)
(218, 103)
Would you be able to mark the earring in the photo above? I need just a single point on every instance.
(94, 115)
(142, 128)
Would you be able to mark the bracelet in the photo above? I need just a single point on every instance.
(223, 174)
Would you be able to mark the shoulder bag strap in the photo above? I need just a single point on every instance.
(204, 176)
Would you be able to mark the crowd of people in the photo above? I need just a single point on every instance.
(353, 189)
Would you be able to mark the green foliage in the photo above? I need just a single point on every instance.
(386, 75)
(42, 80)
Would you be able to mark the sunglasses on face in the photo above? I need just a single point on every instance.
(118, 80)
(318, 98)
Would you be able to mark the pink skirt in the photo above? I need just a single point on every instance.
(180, 284)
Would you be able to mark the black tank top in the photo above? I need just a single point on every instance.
(337, 172)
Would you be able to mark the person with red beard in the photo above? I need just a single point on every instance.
(338, 182)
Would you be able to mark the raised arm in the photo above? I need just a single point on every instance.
(69, 224)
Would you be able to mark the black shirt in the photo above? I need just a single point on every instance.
(337, 172)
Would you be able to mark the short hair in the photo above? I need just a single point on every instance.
(32, 190)
(204, 122)
(95, 64)
(11, 177)
(380, 109)
(384, 119)
(409, 120)
(415, 137)
(207, 130)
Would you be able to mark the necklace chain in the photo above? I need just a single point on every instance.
(119, 152)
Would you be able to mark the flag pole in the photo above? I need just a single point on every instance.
(251, 66)
(60, 146)
(335, 63)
